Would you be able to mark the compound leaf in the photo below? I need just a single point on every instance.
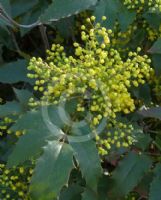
(52, 171)
(87, 156)
(129, 172)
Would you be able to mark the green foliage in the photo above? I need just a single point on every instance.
(65, 8)
(18, 69)
(115, 10)
(156, 184)
(129, 172)
(42, 161)
(10, 108)
(156, 48)
(52, 171)
(86, 154)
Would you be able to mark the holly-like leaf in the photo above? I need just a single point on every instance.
(157, 142)
(129, 172)
(29, 146)
(35, 119)
(156, 48)
(102, 187)
(64, 8)
(155, 193)
(23, 95)
(143, 92)
(88, 159)
(72, 192)
(52, 171)
(108, 8)
(114, 10)
(10, 108)
(89, 195)
(14, 72)
(18, 7)
(142, 140)
(153, 19)
(125, 17)
(156, 58)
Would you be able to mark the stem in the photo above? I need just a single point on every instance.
(44, 36)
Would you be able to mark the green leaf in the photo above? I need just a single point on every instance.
(89, 195)
(35, 119)
(155, 193)
(153, 19)
(114, 10)
(6, 5)
(30, 120)
(137, 38)
(156, 48)
(6, 40)
(156, 58)
(23, 95)
(52, 171)
(32, 16)
(109, 9)
(125, 17)
(66, 24)
(10, 108)
(102, 187)
(64, 8)
(29, 146)
(144, 185)
(157, 142)
(18, 7)
(87, 156)
(14, 72)
(143, 141)
(129, 172)
(154, 112)
(143, 92)
(72, 192)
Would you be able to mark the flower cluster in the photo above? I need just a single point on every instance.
(96, 75)
(4, 124)
(153, 34)
(118, 135)
(151, 4)
(14, 182)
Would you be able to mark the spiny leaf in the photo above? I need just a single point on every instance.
(72, 192)
(129, 172)
(87, 156)
(156, 58)
(10, 108)
(29, 146)
(125, 17)
(107, 8)
(22, 95)
(18, 7)
(65, 8)
(155, 193)
(89, 195)
(52, 171)
(30, 120)
(35, 119)
(14, 72)
(153, 19)
(114, 10)
(156, 48)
